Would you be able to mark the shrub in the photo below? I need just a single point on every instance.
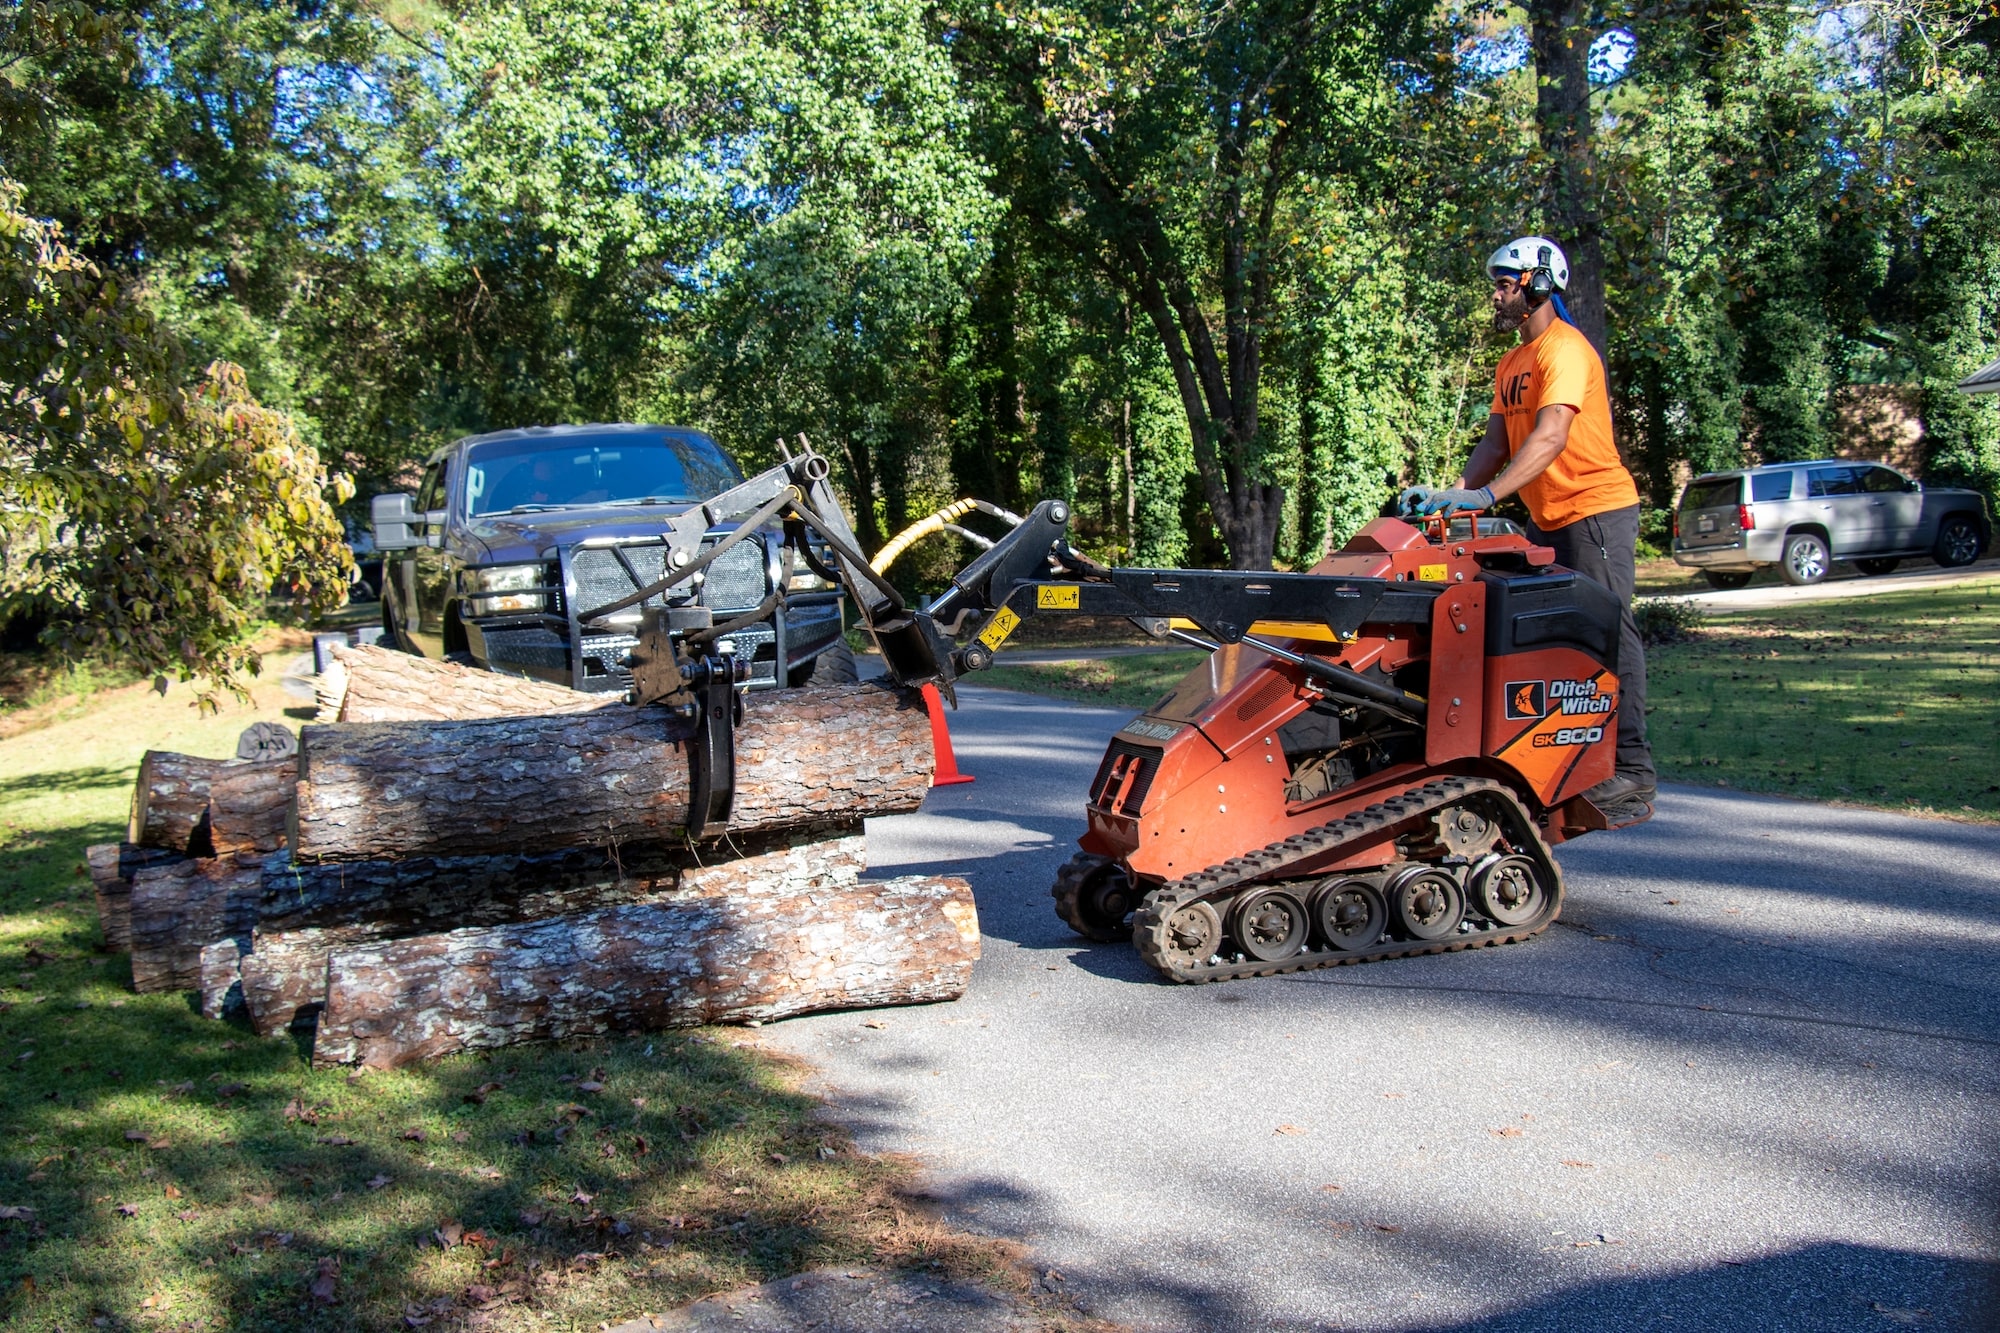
(1666, 619)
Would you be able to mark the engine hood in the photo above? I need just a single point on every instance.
(535, 535)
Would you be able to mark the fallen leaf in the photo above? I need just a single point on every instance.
(298, 1110)
(581, 1198)
(1288, 1129)
(16, 1214)
(136, 1135)
(414, 1135)
(779, 1158)
(479, 1094)
(261, 1200)
(335, 1140)
(449, 1234)
(590, 1085)
(173, 1191)
(1394, 1096)
(1329, 1189)
(479, 1240)
(1384, 1226)
(322, 1288)
(489, 1173)
(1573, 1161)
(532, 1217)
(187, 1214)
(378, 1182)
(571, 1111)
(229, 1089)
(460, 1136)
(639, 1148)
(479, 1293)
(1508, 1132)
(875, 1023)
(128, 1209)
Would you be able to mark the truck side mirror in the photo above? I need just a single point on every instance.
(393, 517)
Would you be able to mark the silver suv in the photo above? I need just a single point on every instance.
(1802, 517)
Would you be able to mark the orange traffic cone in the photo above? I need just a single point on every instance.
(946, 773)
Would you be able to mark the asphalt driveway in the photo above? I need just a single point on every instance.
(1749, 1082)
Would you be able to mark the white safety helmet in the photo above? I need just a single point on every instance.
(1529, 254)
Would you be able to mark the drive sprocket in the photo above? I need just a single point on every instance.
(1094, 898)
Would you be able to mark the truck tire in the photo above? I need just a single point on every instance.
(1726, 579)
(1806, 559)
(1957, 542)
(835, 666)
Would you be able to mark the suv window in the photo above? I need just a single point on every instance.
(1881, 480)
(1713, 493)
(1771, 485)
(1833, 481)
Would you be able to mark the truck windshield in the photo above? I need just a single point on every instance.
(530, 474)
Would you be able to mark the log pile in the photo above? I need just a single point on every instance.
(456, 860)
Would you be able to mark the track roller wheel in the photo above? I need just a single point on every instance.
(1270, 924)
(1094, 896)
(1508, 890)
(1427, 903)
(1350, 914)
(1177, 940)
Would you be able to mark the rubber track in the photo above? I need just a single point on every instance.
(1159, 906)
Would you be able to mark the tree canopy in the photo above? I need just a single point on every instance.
(1210, 271)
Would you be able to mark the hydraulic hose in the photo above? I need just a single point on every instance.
(941, 521)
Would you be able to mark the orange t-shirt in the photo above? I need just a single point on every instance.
(1587, 477)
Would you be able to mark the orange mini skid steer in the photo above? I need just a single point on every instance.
(1373, 761)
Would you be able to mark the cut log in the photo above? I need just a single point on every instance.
(221, 978)
(751, 952)
(421, 894)
(603, 778)
(284, 974)
(181, 906)
(170, 802)
(382, 685)
(248, 804)
(112, 865)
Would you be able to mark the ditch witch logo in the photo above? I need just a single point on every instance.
(1530, 698)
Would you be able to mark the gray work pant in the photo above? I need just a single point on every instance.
(1600, 547)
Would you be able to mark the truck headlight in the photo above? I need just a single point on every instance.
(507, 589)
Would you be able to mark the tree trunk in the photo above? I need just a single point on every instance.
(284, 974)
(180, 906)
(248, 804)
(170, 802)
(381, 685)
(1561, 38)
(760, 950)
(602, 778)
(112, 866)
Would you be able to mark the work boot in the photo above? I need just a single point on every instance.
(1619, 789)
(1626, 812)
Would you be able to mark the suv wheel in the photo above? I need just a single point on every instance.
(1881, 564)
(1726, 578)
(1806, 559)
(1957, 542)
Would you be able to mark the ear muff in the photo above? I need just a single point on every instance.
(1542, 282)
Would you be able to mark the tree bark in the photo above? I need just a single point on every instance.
(221, 984)
(381, 685)
(758, 951)
(112, 866)
(248, 804)
(1560, 36)
(284, 974)
(180, 906)
(603, 778)
(170, 802)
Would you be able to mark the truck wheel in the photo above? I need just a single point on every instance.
(1806, 559)
(1881, 564)
(1726, 579)
(835, 666)
(1957, 542)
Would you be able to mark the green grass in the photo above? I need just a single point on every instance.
(1889, 700)
(160, 1170)
(1133, 681)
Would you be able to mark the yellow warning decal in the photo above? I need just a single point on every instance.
(1057, 596)
(1431, 573)
(996, 631)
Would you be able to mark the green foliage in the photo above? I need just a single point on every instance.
(151, 518)
(1666, 619)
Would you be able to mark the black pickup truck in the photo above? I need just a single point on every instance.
(514, 538)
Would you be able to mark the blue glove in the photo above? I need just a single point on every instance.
(1450, 501)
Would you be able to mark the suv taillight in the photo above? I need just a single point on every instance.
(1744, 518)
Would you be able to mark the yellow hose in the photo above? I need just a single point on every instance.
(924, 527)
